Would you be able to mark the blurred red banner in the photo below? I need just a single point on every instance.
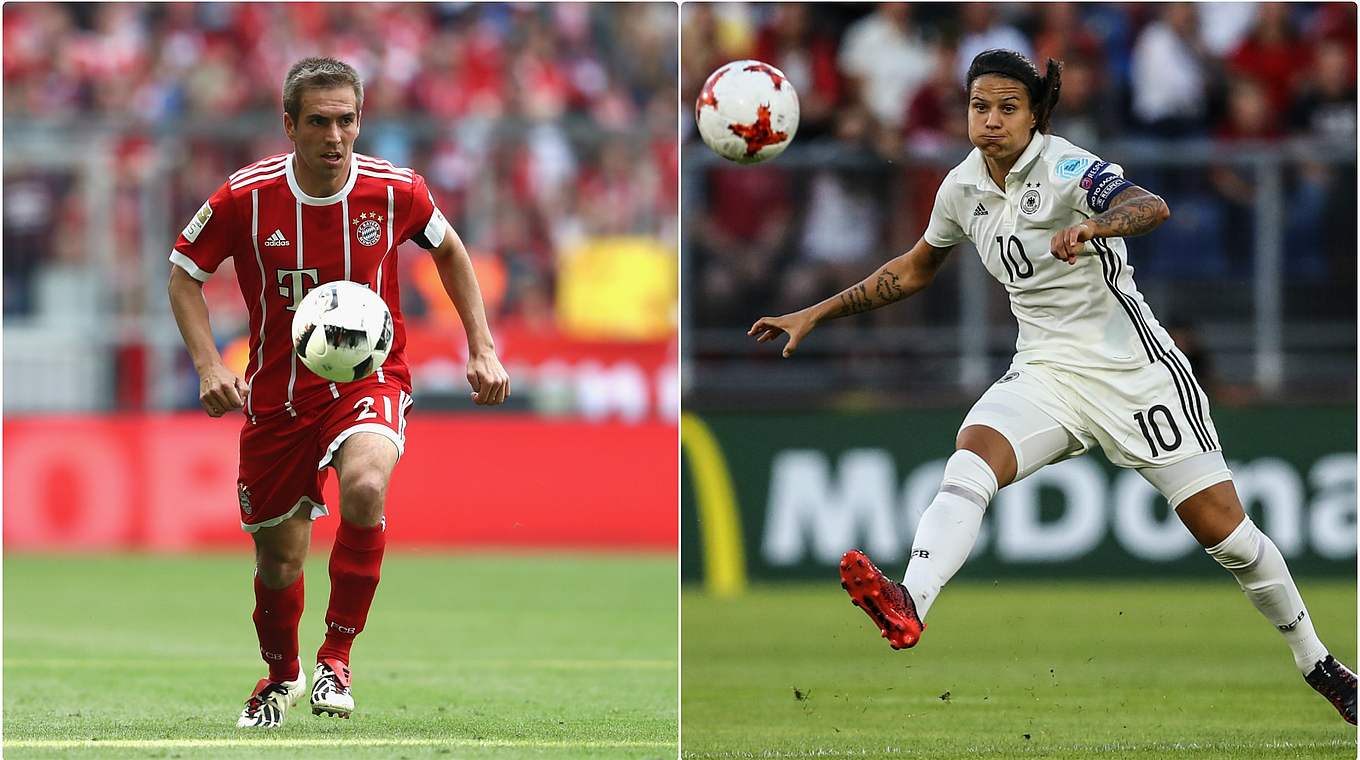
(595, 379)
(168, 483)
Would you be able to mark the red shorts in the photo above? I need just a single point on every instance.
(284, 458)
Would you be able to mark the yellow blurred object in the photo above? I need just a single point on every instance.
(619, 288)
(736, 30)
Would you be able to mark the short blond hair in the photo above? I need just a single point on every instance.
(319, 74)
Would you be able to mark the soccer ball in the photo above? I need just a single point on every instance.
(747, 112)
(342, 331)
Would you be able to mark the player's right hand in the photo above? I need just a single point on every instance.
(220, 390)
(1070, 242)
(795, 325)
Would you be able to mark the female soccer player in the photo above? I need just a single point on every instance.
(1092, 365)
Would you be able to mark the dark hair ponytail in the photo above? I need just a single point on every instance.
(1043, 91)
(1051, 88)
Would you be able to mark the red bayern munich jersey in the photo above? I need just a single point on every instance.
(285, 242)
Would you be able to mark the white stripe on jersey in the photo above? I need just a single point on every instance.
(264, 164)
(292, 355)
(391, 209)
(257, 179)
(391, 206)
(240, 177)
(382, 175)
(382, 163)
(255, 241)
(344, 230)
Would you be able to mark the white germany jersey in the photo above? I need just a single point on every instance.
(1085, 315)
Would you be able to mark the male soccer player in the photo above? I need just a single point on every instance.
(289, 223)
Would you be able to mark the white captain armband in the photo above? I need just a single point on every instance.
(433, 234)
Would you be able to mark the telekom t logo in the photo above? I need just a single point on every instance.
(296, 286)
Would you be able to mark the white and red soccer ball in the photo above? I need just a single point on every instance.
(747, 112)
(342, 331)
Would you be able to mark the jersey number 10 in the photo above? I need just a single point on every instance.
(1008, 251)
(1152, 432)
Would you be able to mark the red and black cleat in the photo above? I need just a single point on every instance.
(1336, 682)
(886, 602)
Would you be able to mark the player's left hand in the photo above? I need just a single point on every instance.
(489, 380)
(1069, 242)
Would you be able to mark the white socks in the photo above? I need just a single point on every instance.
(949, 527)
(1255, 561)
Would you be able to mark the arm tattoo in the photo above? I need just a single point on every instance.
(1137, 213)
(888, 288)
(887, 285)
(855, 300)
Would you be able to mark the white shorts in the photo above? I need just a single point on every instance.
(1154, 419)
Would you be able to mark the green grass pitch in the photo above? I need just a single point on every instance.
(1154, 669)
(509, 655)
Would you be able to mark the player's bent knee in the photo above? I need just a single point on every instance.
(279, 559)
(278, 571)
(362, 497)
(969, 476)
(1212, 513)
(367, 490)
(992, 448)
(280, 551)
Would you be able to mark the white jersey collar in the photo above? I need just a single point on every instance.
(309, 200)
(976, 173)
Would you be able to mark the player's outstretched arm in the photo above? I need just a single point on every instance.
(219, 389)
(902, 277)
(1135, 212)
(489, 380)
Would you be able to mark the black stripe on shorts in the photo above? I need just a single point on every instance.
(1186, 388)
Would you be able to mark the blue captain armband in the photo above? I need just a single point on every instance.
(1102, 186)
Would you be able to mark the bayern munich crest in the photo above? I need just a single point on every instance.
(368, 227)
(243, 494)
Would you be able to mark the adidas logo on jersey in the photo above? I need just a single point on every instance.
(277, 239)
(979, 211)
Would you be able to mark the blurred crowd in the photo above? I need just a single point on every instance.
(894, 72)
(539, 127)
(882, 82)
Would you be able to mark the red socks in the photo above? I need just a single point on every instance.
(277, 612)
(356, 562)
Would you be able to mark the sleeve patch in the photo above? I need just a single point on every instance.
(1106, 187)
(197, 223)
(1070, 168)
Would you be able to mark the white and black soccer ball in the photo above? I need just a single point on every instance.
(342, 331)
(747, 112)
